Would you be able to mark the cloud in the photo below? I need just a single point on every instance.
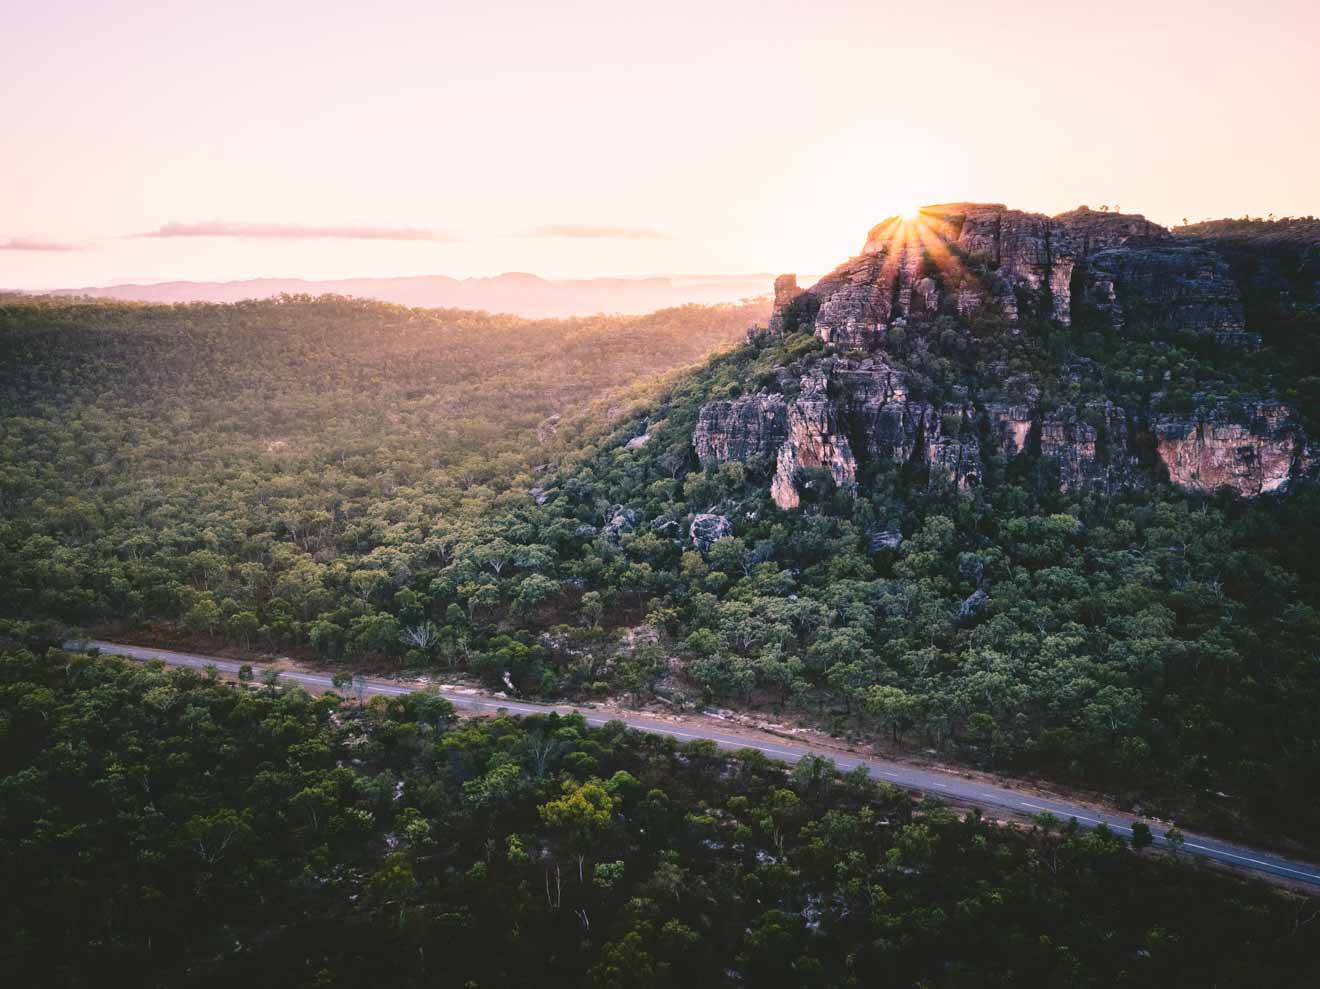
(28, 244)
(599, 232)
(292, 231)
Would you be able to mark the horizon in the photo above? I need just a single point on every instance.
(291, 141)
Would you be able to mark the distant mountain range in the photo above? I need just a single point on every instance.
(514, 292)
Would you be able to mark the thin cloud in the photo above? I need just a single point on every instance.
(28, 244)
(590, 231)
(292, 231)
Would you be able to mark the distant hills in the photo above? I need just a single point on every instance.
(513, 292)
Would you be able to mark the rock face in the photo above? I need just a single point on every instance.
(708, 528)
(965, 262)
(1253, 449)
(862, 409)
(1090, 445)
(1179, 286)
(742, 429)
(621, 520)
(960, 259)
(884, 540)
(814, 440)
(786, 291)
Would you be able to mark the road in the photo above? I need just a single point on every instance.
(950, 785)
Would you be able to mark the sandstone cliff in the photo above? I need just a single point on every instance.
(965, 262)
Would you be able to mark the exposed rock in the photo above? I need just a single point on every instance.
(1091, 230)
(885, 540)
(1254, 448)
(958, 258)
(814, 441)
(964, 259)
(1162, 284)
(973, 605)
(879, 413)
(1011, 425)
(707, 528)
(663, 523)
(539, 495)
(1091, 446)
(585, 531)
(1031, 255)
(786, 291)
(621, 520)
(741, 430)
(955, 459)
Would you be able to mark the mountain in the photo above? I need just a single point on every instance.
(513, 292)
(1032, 493)
(988, 269)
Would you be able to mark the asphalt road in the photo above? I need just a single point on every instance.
(945, 784)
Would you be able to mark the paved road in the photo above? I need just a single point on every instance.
(946, 784)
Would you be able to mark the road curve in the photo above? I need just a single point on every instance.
(944, 784)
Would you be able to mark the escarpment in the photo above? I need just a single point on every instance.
(963, 267)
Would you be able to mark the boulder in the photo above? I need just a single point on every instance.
(973, 605)
(885, 540)
(621, 520)
(707, 528)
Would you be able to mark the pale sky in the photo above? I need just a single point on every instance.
(324, 139)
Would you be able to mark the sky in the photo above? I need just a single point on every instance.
(150, 141)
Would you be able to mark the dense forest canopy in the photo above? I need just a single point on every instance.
(514, 501)
(159, 828)
(360, 483)
(164, 461)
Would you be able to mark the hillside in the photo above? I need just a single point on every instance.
(1029, 492)
(1035, 495)
(253, 465)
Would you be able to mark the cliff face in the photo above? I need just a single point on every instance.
(741, 430)
(1253, 449)
(965, 261)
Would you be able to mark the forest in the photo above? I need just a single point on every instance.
(244, 468)
(164, 828)
(374, 487)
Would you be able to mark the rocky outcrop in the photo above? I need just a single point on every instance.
(1011, 427)
(963, 261)
(1253, 448)
(972, 606)
(884, 540)
(1090, 445)
(863, 410)
(707, 528)
(959, 259)
(815, 441)
(741, 430)
(1091, 230)
(786, 291)
(621, 520)
(1179, 286)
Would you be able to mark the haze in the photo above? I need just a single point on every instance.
(154, 141)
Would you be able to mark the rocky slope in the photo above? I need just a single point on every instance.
(969, 264)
